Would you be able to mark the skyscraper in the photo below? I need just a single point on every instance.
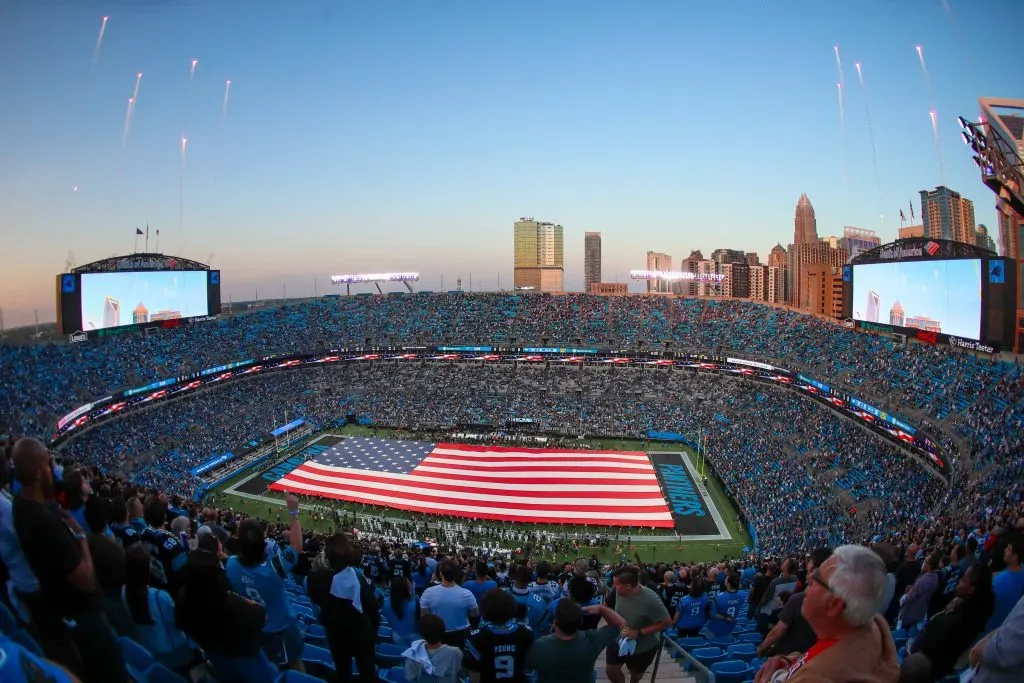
(538, 253)
(591, 259)
(897, 317)
(140, 314)
(805, 231)
(874, 304)
(982, 238)
(858, 240)
(947, 215)
(805, 224)
(111, 312)
(658, 261)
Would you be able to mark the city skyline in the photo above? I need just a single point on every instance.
(159, 292)
(947, 291)
(342, 152)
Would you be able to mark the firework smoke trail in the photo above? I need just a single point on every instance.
(224, 107)
(99, 44)
(871, 135)
(842, 132)
(181, 193)
(934, 115)
(131, 110)
(127, 123)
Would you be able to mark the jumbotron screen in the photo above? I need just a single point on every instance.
(131, 298)
(95, 304)
(934, 296)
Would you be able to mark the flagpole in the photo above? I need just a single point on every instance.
(147, 238)
(136, 241)
(157, 247)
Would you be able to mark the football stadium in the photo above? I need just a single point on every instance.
(714, 470)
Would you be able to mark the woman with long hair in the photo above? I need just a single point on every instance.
(152, 611)
(226, 625)
(401, 609)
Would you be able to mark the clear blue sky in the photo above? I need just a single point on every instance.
(367, 136)
(947, 291)
(182, 291)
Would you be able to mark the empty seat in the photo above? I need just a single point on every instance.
(730, 671)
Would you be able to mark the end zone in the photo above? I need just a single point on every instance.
(696, 515)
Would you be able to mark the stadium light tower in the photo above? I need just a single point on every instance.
(375, 278)
(996, 152)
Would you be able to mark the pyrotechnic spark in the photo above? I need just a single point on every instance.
(132, 101)
(99, 43)
(192, 71)
(839, 66)
(934, 116)
(127, 122)
(871, 134)
(75, 188)
(224, 107)
(924, 70)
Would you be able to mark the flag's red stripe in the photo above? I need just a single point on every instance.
(374, 484)
(553, 481)
(555, 458)
(529, 467)
(526, 518)
(546, 451)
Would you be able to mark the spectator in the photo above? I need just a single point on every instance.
(919, 594)
(225, 625)
(853, 641)
(497, 650)
(569, 653)
(57, 551)
(401, 609)
(152, 612)
(1009, 583)
(348, 607)
(999, 656)
(453, 603)
(645, 616)
(950, 633)
(430, 660)
(793, 633)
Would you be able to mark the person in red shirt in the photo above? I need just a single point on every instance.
(854, 643)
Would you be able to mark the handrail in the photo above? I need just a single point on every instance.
(709, 677)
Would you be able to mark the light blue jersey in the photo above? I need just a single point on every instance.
(264, 583)
(730, 605)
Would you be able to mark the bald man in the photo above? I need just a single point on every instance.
(57, 551)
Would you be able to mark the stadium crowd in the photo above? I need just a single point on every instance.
(940, 587)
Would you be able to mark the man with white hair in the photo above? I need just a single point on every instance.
(854, 643)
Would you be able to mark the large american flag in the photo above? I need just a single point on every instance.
(617, 488)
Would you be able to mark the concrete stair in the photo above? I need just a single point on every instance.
(668, 670)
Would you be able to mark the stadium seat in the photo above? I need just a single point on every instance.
(754, 638)
(384, 634)
(723, 641)
(8, 623)
(316, 635)
(137, 659)
(742, 651)
(297, 677)
(158, 673)
(730, 671)
(708, 655)
(256, 669)
(388, 655)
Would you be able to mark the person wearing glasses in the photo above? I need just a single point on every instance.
(844, 596)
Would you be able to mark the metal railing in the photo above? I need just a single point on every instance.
(695, 666)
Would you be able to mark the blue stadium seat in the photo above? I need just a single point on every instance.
(742, 651)
(297, 677)
(730, 671)
(158, 673)
(754, 638)
(708, 655)
(137, 659)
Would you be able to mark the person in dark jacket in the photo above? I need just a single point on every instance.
(349, 610)
(934, 653)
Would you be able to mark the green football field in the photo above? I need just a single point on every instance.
(270, 506)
